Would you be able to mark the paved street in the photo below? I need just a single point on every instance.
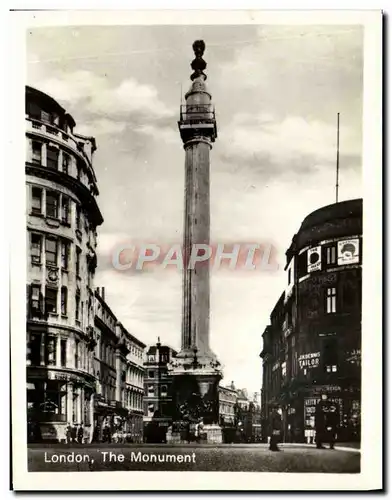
(256, 457)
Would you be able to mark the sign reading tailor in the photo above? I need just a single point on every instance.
(314, 259)
(348, 252)
(309, 360)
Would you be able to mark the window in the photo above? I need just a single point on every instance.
(35, 291)
(64, 298)
(330, 354)
(65, 210)
(50, 350)
(52, 204)
(36, 246)
(33, 110)
(151, 357)
(51, 252)
(52, 157)
(64, 254)
(164, 390)
(79, 171)
(46, 117)
(36, 206)
(78, 217)
(36, 156)
(151, 374)
(151, 410)
(331, 300)
(78, 254)
(63, 352)
(330, 255)
(66, 163)
(55, 398)
(77, 346)
(34, 349)
(51, 300)
(77, 305)
(151, 391)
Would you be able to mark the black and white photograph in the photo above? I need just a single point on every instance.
(200, 201)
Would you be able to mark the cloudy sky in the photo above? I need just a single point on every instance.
(277, 92)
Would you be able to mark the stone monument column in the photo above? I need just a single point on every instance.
(196, 369)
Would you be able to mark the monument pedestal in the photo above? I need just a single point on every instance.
(195, 400)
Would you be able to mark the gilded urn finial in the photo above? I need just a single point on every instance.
(198, 64)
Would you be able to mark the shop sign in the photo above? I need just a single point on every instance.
(354, 356)
(65, 377)
(309, 360)
(327, 388)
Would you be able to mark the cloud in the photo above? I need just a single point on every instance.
(165, 134)
(95, 95)
(283, 145)
(102, 127)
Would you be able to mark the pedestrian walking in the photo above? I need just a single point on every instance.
(74, 433)
(275, 429)
(319, 421)
(68, 433)
(107, 438)
(332, 423)
(326, 422)
(80, 433)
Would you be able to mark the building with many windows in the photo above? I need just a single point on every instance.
(119, 371)
(227, 404)
(70, 347)
(313, 343)
(157, 392)
(62, 220)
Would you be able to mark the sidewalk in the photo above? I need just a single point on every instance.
(353, 447)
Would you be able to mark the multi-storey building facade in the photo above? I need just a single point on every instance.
(76, 348)
(157, 392)
(119, 373)
(62, 220)
(313, 344)
(227, 403)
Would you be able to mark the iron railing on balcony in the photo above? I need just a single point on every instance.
(197, 112)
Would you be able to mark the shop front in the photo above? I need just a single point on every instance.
(55, 399)
(299, 413)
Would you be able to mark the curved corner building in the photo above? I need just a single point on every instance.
(313, 343)
(62, 218)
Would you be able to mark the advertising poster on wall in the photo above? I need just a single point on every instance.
(314, 259)
(348, 252)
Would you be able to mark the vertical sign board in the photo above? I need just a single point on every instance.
(314, 259)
